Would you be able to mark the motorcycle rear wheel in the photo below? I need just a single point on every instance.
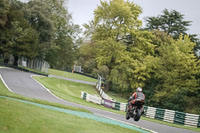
(127, 115)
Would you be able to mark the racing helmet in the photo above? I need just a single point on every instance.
(139, 89)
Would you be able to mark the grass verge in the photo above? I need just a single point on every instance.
(171, 124)
(19, 117)
(71, 75)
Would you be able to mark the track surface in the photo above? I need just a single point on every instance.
(22, 83)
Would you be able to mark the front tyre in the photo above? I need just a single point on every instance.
(137, 115)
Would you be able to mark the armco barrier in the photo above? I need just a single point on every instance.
(159, 114)
(117, 105)
(123, 106)
(94, 99)
(169, 115)
(91, 98)
(179, 118)
(108, 103)
(151, 112)
(191, 119)
(198, 125)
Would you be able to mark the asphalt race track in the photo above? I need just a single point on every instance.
(20, 82)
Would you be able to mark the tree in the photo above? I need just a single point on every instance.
(58, 38)
(4, 9)
(19, 37)
(38, 14)
(176, 72)
(171, 22)
(121, 46)
(86, 58)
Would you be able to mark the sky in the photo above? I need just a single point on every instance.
(82, 10)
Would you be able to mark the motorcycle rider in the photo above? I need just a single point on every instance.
(136, 95)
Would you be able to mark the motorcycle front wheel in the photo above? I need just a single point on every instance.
(137, 115)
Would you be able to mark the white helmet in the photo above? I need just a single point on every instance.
(139, 89)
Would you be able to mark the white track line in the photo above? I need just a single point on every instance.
(126, 123)
(5, 84)
(45, 87)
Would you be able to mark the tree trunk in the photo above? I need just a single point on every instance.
(5, 60)
(108, 85)
(16, 58)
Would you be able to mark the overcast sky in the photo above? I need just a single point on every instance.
(82, 10)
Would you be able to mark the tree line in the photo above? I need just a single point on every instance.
(159, 57)
(38, 29)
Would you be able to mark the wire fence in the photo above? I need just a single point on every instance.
(35, 64)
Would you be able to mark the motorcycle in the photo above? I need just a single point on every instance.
(136, 111)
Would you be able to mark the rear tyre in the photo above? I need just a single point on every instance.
(127, 115)
(137, 115)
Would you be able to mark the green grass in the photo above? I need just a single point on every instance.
(16, 117)
(84, 78)
(71, 75)
(71, 91)
(171, 124)
(118, 97)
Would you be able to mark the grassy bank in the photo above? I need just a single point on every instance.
(84, 78)
(71, 75)
(71, 91)
(19, 117)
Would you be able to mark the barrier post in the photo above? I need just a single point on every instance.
(84, 95)
(179, 118)
(145, 110)
(159, 114)
(117, 105)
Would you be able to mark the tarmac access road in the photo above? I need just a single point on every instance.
(22, 83)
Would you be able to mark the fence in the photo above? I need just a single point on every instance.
(36, 64)
(150, 112)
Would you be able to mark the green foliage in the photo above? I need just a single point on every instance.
(58, 35)
(87, 54)
(4, 9)
(18, 37)
(124, 50)
(171, 22)
(176, 72)
(41, 29)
